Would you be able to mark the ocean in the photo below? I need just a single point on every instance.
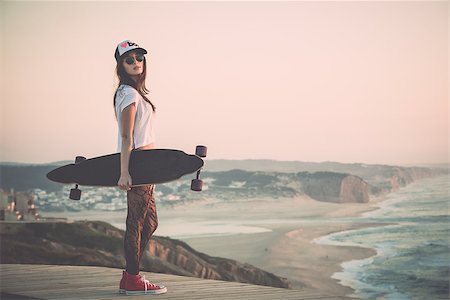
(413, 255)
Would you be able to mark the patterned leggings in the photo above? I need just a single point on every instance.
(142, 221)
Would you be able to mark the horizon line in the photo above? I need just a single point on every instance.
(68, 161)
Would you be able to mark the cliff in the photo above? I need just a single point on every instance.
(328, 181)
(100, 244)
(354, 189)
(400, 176)
(356, 185)
(193, 263)
(334, 187)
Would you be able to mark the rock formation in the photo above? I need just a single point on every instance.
(334, 187)
(100, 244)
(193, 263)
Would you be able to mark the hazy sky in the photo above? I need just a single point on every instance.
(308, 81)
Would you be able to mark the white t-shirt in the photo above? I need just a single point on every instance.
(143, 133)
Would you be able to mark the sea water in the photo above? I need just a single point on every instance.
(413, 259)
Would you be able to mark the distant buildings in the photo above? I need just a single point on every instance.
(17, 206)
(22, 205)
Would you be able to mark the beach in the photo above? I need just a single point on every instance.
(284, 245)
(276, 235)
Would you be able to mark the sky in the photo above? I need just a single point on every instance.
(363, 82)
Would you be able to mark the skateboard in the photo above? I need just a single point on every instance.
(146, 167)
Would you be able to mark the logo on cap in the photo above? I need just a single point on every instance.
(129, 44)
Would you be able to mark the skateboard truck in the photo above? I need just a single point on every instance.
(197, 183)
(75, 194)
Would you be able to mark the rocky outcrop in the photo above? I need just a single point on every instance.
(356, 185)
(100, 244)
(334, 187)
(193, 263)
(400, 176)
(354, 189)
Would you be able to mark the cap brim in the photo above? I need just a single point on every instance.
(142, 49)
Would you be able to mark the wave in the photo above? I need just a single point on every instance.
(412, 254)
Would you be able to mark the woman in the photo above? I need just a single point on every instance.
(135, 114)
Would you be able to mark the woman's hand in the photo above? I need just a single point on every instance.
(124, 182)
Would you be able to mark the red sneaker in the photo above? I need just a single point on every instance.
(137, 285)
(123, 282)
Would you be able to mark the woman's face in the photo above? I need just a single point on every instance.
(131, 63)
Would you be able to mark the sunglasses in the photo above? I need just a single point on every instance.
(130, 60)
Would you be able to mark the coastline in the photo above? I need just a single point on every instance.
(285, 244)
(319, 262)
(288, 249)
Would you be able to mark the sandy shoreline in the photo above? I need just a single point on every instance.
(287, 250)
(283, 245)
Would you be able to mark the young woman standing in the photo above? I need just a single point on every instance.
(135, 115)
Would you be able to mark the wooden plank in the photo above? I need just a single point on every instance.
(86, 282)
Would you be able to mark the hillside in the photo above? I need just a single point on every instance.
(329, 182)
(100, 244)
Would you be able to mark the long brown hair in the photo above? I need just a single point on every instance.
(138, 85)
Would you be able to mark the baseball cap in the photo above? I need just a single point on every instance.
(125, 47)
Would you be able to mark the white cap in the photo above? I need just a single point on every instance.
(126, 46)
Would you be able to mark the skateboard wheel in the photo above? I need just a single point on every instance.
(196, 185)
(79, 159)
(75, 194)
(201, 151)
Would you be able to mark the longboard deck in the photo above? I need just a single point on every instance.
(146, 167)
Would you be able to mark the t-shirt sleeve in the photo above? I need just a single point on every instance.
(128, 97)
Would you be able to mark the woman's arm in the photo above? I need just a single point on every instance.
(127, 126)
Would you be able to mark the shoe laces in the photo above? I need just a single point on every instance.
(147, 283)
